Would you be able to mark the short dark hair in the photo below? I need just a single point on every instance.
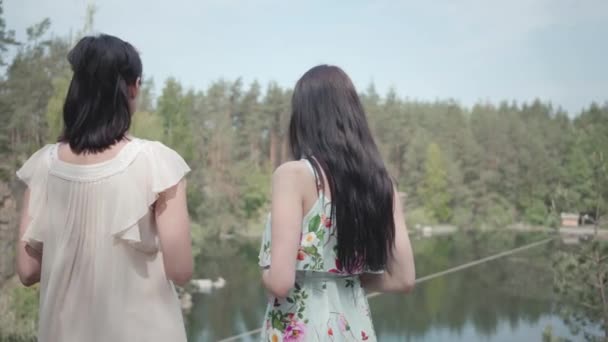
(96, 112)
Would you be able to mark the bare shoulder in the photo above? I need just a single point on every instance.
(291, 171)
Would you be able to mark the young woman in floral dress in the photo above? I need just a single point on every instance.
(336, 228)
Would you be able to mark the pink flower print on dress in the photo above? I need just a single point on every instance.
(295, 332)
(326, 221)
(338, 268)
(343, 323)
(301, 254)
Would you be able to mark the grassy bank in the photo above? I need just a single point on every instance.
(18, 311)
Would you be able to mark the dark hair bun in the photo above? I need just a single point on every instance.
(104, 59)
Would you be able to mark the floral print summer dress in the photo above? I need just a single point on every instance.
(326, 304)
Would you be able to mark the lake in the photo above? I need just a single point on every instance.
(508, 299)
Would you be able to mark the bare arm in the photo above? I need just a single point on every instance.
(402, 274)
(29, 260)
(286, 220)
(173, 224)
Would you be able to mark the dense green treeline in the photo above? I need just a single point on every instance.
(486, 166)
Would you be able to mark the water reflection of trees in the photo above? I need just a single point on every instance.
(510, 290)
(237, 307)
(581, 280)
(484, 296)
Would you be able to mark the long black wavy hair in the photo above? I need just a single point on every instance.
(328, 127)
(96, 112)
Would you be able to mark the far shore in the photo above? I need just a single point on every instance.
(436, 230)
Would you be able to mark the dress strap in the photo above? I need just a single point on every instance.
(316, 175)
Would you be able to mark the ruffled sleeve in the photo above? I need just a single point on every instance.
(34, 173)
(156, 169)
(167, 167)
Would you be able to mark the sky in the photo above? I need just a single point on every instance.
(465, 50)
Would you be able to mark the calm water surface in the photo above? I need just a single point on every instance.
(508, 299)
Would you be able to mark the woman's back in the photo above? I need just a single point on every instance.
(318, 246)
(102, 271)
(327, 302)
